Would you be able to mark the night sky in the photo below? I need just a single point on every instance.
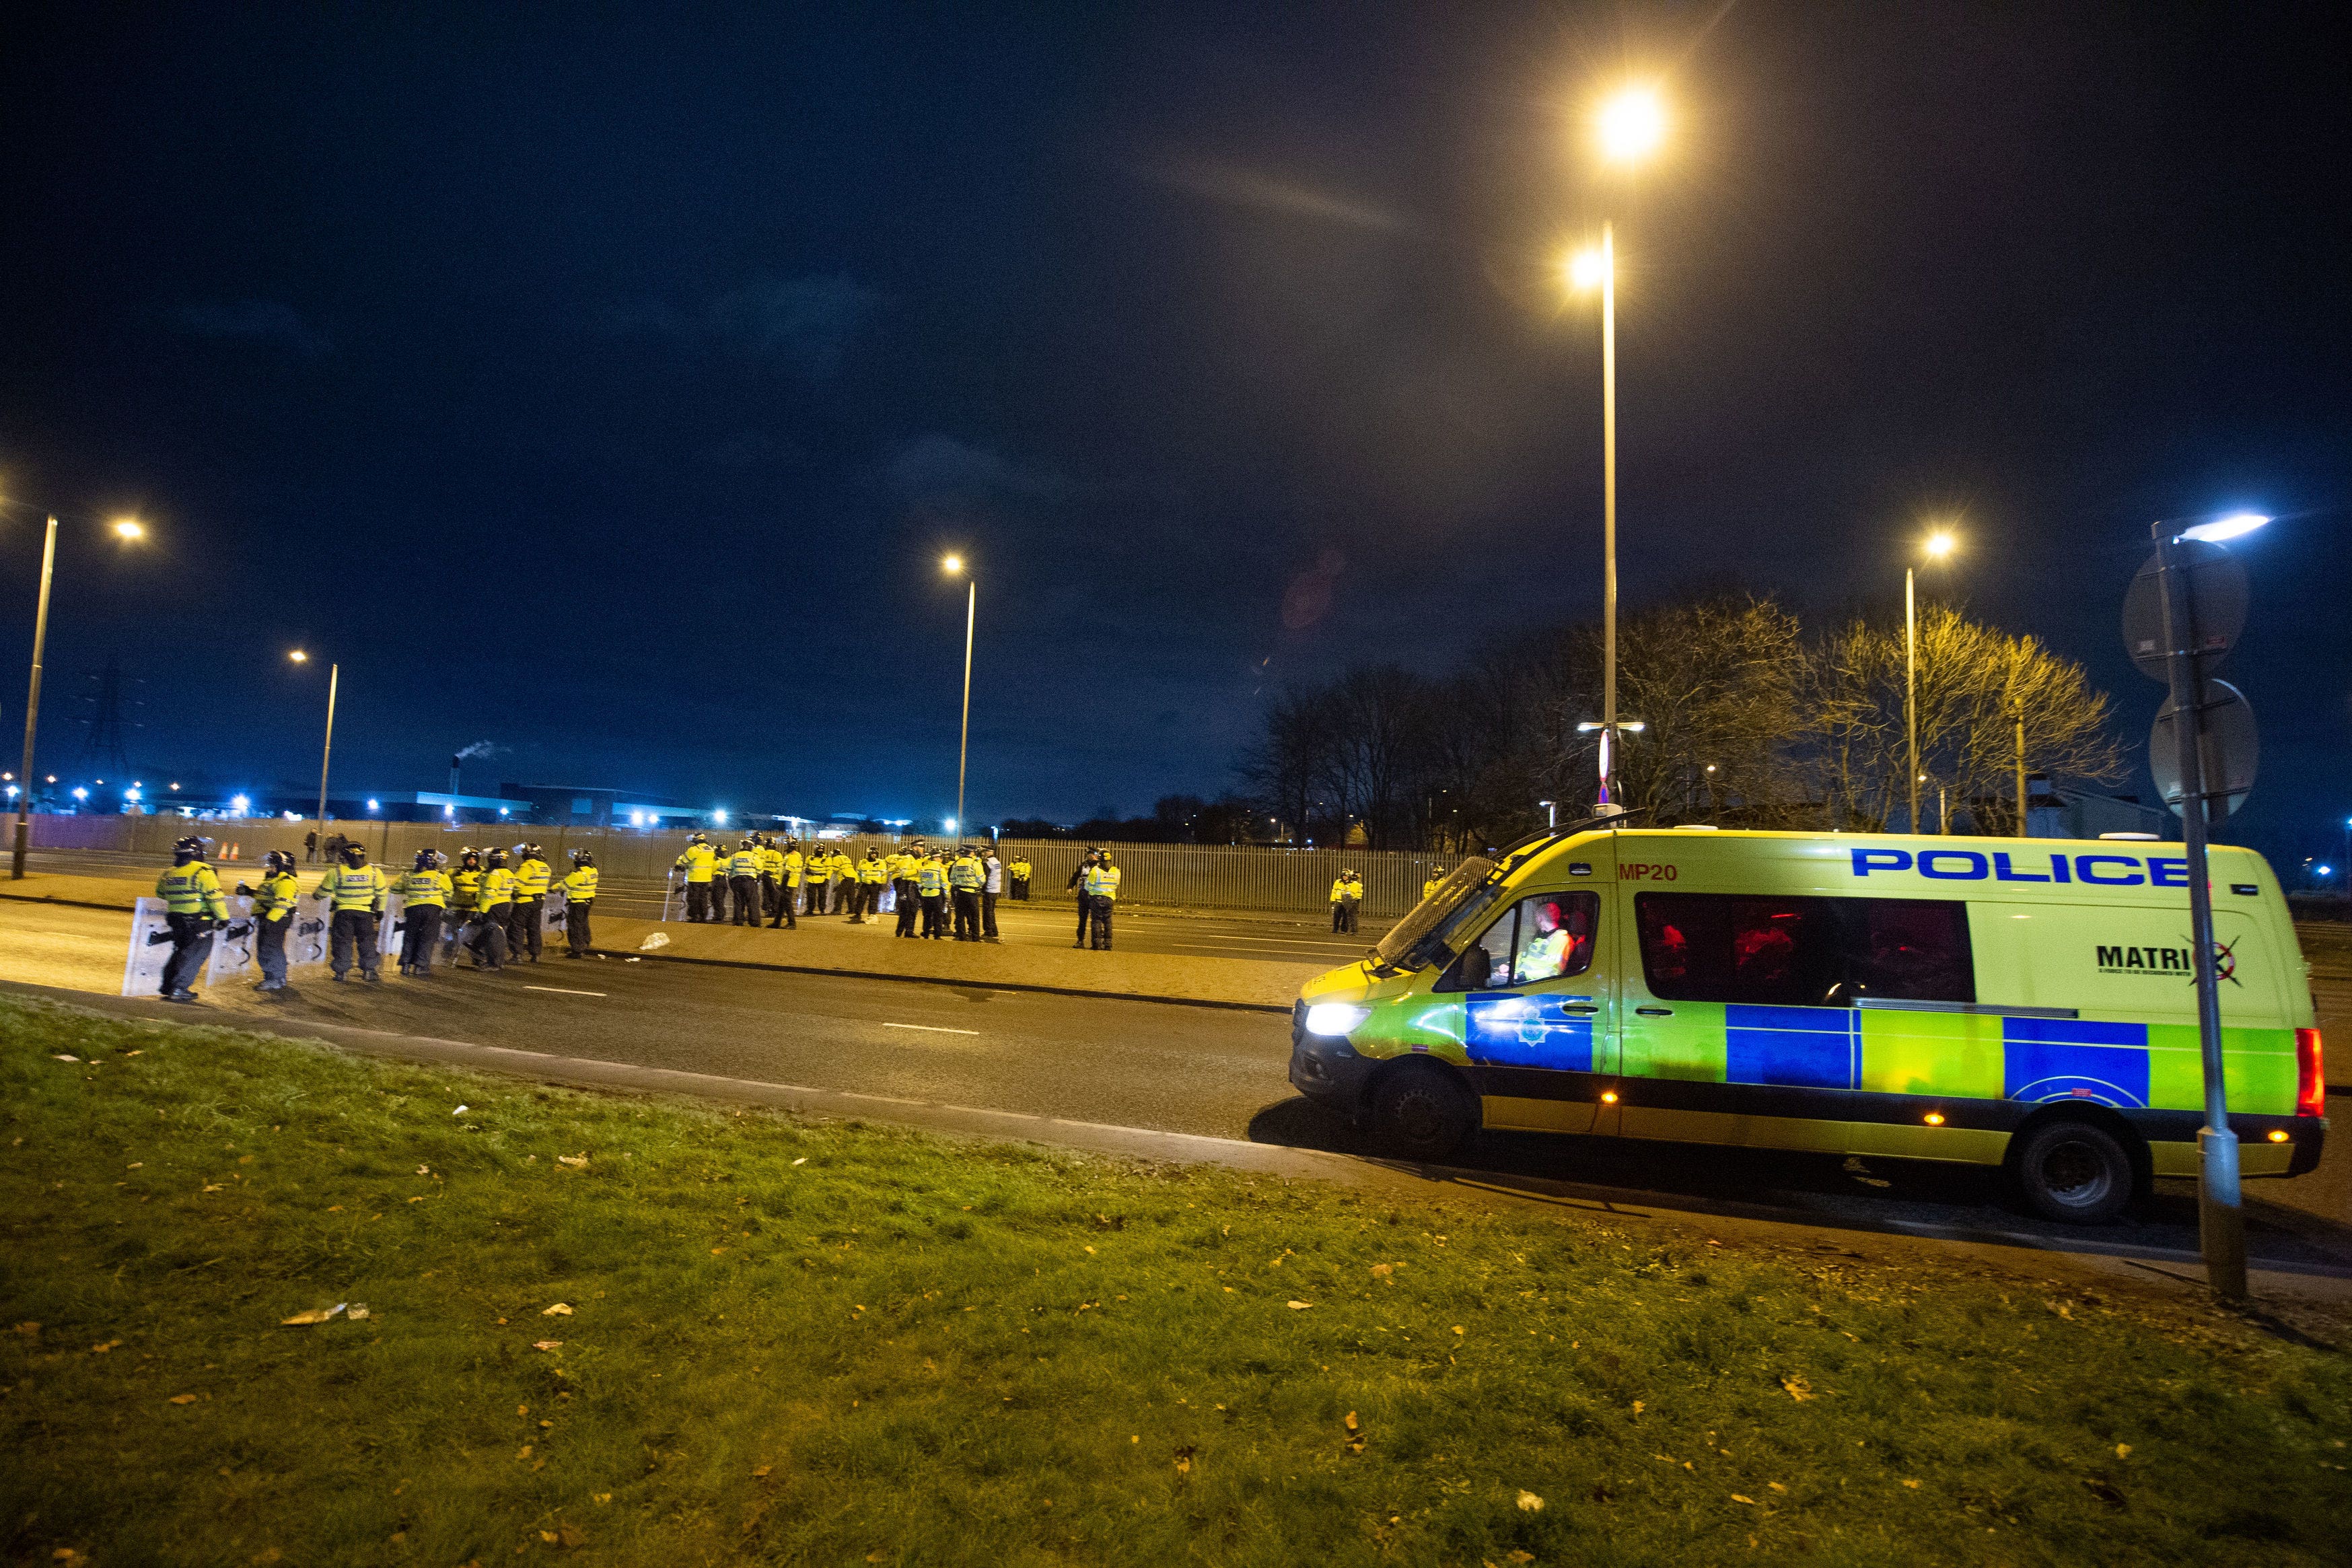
(607, 389)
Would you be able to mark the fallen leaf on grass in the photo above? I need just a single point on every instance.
(570, 1536)
(1383, 1271)
(28, 1330)
(548, 1345)
(1520, 1557)
(558, 1310)
(1530, 1503)
(183, 1399)
(2123, 1450)
(315, 1315)
(416, 1200)
(1638, 1406)
(101, 1350)
(1776, 1486)
(603, 1497)
(759, 1470)
(803, 1160)
(577, 1161)
(524, 1453)
(1799, 1389)
(1457, 1328)
(65, 1059)
(423, 1170)
(1913, 1485)
(212, 1186)
(1184, 1461)
(1299, 1306)
(1743, 1496)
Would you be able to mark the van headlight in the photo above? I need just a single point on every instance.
(1335, 1017)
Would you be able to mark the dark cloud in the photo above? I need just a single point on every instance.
(255, 320)
(807, 322)
(937, 468)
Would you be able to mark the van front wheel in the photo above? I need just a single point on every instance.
(1422, 1112)
(2074, 1173)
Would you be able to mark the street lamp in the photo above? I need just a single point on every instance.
(953, 566)
(127, 529)
(327, 748)
(1629, 126)
(1940, 544)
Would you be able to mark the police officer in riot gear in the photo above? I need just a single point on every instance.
(578, 893)
(427, 892)
(192, 906)
(495, 903)
(355, 895)
(273, 916)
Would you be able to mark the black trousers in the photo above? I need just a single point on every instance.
(524, 925)
(767, 893)
(269, 949)
(967, 915)
(576, 925)
(489, 940)
(1338, 918)
(698, 900)
(1348, 910)
(747, 900)
(988, 915)
(423, 935)
(784, 915)
(1086, 916)
(935, 923)
(354, 937)
(1020, 890)
(1102, 921)
(909, 906)
(192, 945)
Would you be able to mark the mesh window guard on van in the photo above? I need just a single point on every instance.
(1803, 951)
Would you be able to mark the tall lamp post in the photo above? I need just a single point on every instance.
(327, 748)
(127, 530)
(953, 566)
(1630, 127)
(1940, 544)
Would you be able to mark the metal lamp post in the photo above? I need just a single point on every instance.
(1940, 544)
(327, 747)
(953, 565)
(127, 530)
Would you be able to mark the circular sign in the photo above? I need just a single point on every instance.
(2227, 743)
(2217, 599)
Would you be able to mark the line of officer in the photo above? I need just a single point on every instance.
(465, 903)
(902, 866)
(873, 875)
(578, 893)
(192, 906)
(1347, 899)
(1101, 890)
(931, 887)
(428, 890)
(1021, 871)
(965, 878)
(790, 866)
(273, 916)
(353, 892)
(526, 922)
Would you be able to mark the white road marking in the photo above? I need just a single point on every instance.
(930, 1028)
(1277, 952)
(560, 991)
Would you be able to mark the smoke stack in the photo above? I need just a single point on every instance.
(452, 777)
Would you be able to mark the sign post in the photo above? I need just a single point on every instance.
(2199, 605)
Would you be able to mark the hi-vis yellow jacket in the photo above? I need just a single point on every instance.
(274, 900)
(497, 887)
(580, 884)
(351, 888)
(531, 879)
(191, 889)
(697, 861)
(425, 887)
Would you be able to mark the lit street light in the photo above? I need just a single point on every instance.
(327, 747)
(1629, 126)
(125, 528)
(1940, 544)
(953, 566)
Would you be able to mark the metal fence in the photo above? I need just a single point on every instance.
(1184, 876)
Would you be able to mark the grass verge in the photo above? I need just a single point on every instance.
(630, 1331)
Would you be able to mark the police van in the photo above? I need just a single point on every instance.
(2029, 1003)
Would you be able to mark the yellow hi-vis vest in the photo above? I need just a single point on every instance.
(1432, 886)
(421, 888)
(352, 888)
(965, 875)
(531, 879)
(871, 871)
(794, 866)
(743, 863)
(191, 889)
(697, 861)
(580, 884)
(1338, 888)
(465, 888)
(497, 887)
(1351, 891)
(1020, 869)
(1102, 882)
(932, 878)
(274, 900)
(772, 861)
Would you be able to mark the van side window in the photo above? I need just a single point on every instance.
(1545, 936)
(1803, 951)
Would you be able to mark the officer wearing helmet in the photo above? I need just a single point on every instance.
(465, 900)
(273, 916)
(495, 903)
(353, 891)
(697, 863)
(527, 921)
(743, 879)
(426, 888)
(578, 893)
(192, 905)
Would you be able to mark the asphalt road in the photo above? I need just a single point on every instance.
(1217, 1073)
(1051, 919)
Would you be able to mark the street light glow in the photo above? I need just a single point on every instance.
(1940, 543)
(1587, 269)
(2236, 526)
(298, 656)
(951, 564)
(1632, 124)
(128, 528)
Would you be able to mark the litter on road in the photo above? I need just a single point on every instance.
(931, 1029)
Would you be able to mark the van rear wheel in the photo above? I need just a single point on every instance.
(2074, 1172)
(1422, 1112)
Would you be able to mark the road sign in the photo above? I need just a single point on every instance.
(2217, 596)
(2227, 742)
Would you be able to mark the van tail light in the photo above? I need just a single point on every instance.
(2310, 1075)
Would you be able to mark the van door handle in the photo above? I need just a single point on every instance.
(1579, 1007)
(1655, 1012)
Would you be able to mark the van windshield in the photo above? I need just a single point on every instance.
(1417, 940)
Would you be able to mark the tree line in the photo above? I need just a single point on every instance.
(1749, 720)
